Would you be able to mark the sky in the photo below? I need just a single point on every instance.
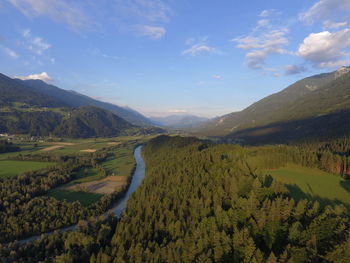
(164, 57)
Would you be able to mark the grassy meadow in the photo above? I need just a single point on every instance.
(121, 162)
(9, 168)
(314, 184)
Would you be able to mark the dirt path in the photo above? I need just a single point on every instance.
(51, 148)
(63, 143)
(88, 150)
(113, 143)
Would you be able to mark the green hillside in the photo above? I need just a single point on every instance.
(35, 108)
(14, 92)
(305, 108)
(74, 99)
(91, 121)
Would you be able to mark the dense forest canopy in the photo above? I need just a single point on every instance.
(205, 202)
(83, 122)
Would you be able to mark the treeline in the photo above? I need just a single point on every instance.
(270, 157)
(95, 157)
(6, 146)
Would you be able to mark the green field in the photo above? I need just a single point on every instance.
(9, 168)
(121, 161)
(77, 146)
(86, 175)
(314, 184)
(84, 198)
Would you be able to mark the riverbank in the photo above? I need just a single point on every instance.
(119, 206)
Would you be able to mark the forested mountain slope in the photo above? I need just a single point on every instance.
(14, 92)
(82, 122)
(39, 109)
(74, 99)
(310, 100)
(88, 121)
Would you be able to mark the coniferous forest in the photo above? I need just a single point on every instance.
(163, 131)
(206, 202)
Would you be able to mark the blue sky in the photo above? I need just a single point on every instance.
(161, 57)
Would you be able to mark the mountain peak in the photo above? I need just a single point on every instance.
(341, 71)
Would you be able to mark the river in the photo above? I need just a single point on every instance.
(120, 205)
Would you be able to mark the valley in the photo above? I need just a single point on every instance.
(160, 131)
(253, 186)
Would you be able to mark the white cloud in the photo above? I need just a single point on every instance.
(266, 13)
(148, 17)
(35, 44)
(9, 52)
(217, 77)
(177, 111)
(328, 24)
(198, 49)
(262, 23)
(144, 10)
(199, 46)
(294, 69)
(154, 32)
(42, 76)
(326, 49)
(58, 10)
(325, 9)
(261, 46)
(264, 40)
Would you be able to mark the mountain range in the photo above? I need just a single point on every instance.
(317, 106)
(37, 108)
(75, 99)
(178, 121)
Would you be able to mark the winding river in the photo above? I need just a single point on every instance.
(120, 205)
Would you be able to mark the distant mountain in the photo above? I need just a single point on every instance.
(178, 121)
(75, 99)
(12, 91)
(307, 108)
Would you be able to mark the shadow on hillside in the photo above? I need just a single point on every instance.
(321, 127)
(297, 194)
(346, 185)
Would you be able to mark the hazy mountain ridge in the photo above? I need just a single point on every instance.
(178, 121)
